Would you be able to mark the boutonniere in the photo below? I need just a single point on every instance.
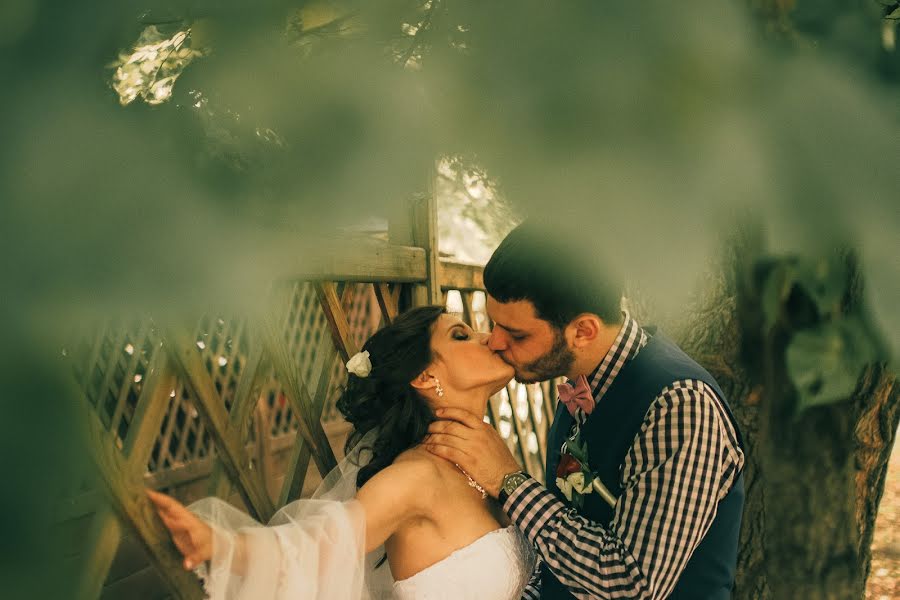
(574, 476)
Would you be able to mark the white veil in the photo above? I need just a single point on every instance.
(310, 549)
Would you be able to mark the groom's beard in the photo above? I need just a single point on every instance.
(557, 361)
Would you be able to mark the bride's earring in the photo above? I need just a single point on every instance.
(437, 386)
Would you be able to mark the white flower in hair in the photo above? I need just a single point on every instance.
(359, 364)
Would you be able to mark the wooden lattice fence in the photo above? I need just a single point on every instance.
(239, 409)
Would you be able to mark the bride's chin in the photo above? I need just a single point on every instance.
(502, 383)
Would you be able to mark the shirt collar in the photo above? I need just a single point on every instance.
(628, 343)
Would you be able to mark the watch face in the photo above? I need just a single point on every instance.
(513, 481)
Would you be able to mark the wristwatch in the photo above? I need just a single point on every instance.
(509, 484)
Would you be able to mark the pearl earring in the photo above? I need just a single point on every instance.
(437, 386)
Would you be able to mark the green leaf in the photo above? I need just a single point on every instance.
(577, 449)
(824, 281)
(577, 500)
(825, 363)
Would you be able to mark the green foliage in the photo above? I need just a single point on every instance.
(825, 362)
(657, 123)
(831, 339)
(823, 282)
(578, 450)
(153, 66)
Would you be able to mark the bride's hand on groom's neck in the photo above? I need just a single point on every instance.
(465, 439)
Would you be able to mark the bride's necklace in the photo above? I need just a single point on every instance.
(472, 482)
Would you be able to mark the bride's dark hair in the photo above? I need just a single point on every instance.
(385, 399)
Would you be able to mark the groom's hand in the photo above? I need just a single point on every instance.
(465, 439)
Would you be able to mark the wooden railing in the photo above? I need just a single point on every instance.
(240, 409)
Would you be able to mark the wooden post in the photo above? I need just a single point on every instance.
(295, 474)
(103, 542)
(532, 419)
(106, 531)
(230, 446)
(150, 411)
(341, 345)
(416, 225)
(263, 450)
(125, 490)
(425, 235)
(337, 321)
(239, 415)
(386, 302)
(520, 431)
(310, 427)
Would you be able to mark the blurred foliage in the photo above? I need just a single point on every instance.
(301, 115)
(661, 123)
(150, 70)
(831, 339)
(825, 363)
(823, 284)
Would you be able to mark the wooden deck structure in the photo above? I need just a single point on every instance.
(245, 410)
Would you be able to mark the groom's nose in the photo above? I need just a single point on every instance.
(496, 341)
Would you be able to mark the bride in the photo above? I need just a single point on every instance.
(441, 536)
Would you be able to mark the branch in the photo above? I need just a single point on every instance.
(417, 36)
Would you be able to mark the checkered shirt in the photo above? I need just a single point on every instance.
(684, 460)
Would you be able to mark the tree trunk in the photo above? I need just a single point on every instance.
(814, 478)
(876, 428)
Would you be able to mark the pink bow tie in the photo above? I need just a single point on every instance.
(579, 396)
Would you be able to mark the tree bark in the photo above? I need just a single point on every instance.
(813, 478)
(876, 429)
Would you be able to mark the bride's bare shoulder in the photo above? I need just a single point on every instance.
(420, 463)
(413, 476)
(419, 460)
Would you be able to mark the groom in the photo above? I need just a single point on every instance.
(650, 424)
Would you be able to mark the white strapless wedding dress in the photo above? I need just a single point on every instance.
(315, 550)
(496, 566)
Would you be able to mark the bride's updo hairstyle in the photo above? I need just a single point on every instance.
(385, 399)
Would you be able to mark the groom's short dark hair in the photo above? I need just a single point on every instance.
(553, 266)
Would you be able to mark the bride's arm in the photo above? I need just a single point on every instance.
(397, 493)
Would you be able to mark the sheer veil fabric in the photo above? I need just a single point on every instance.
(311, 549)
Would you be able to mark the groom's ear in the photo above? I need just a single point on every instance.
(585, 329)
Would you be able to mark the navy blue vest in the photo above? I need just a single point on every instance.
(610, 433)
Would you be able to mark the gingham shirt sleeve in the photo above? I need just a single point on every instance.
(684, 460)
(532, 591)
